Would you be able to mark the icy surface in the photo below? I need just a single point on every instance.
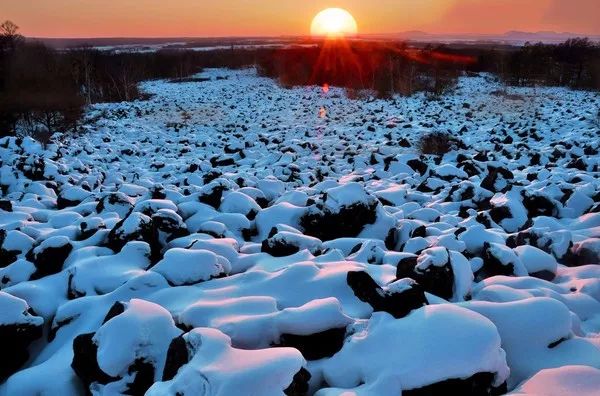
(231, 237)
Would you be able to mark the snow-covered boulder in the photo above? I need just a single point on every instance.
(49, 256)
(188, 267)
(19, 327)
(128, 352)
(582, 380)
(445, 273)
(430, 346)
(398, 298)
(203, 362)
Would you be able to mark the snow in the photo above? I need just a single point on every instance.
(14, 311)
(536, 260)
(137, 333)
(435, 337)
(434, 256)
(346, 195)
(220, 370)
(225, 216)
(181, 266)
(579, 380)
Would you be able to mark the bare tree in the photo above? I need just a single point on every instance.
(9, 37)
(8, 29)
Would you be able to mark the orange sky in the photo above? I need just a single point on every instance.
(172, 18)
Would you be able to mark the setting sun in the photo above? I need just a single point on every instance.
(334, 22)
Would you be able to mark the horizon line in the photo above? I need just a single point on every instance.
(308, 35)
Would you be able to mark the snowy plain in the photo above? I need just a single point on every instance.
(230, 237)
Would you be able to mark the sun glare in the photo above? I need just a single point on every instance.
(334, 22)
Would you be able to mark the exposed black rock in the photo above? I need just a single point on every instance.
(480, 384)
(492, 266)
(6, 256)
(177, 356)
(119, 235)
(6, 205)
(418, 166)
(117, 309)
(14, 341)
(435, 280)
(493, 176)
(213, 196)
(278, 247)
(299, 385)
(85, 363)
(315, 346)
(348, 222)
(115, 201)
(538, 205)
(396, 304)
(143, 379)
(49, 261)
(62, 202)
(499, 213)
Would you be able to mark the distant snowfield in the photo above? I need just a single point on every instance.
(230, 237)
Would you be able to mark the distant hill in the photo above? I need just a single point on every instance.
(512, 37)
(508, 38)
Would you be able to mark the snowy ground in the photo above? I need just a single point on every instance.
(229, 237)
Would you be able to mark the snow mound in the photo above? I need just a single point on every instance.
(452, 342)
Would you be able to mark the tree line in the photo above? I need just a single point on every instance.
(382, 68)
(574, 63)
(43, 90)
(395, 68)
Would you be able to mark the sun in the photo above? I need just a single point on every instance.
(334, 22)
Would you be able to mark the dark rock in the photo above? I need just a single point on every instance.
(418, 166)
(538, 205)
(470, 168)
(435, 280)
(85, 363)
(117, 309)
(62, 203)
(14, 341)
(143, 379)
(315, 346)
(396, 304)
(299, 385)
(118, 237)
(480, 384)
(177, 356)
(545, 275)
(50, 261)
(112, 200)
(577, 164)
(492, 265)
(494, 174)
(499, 213)
(6, 205)
(7, 257)
(278, 248)
(348, 222)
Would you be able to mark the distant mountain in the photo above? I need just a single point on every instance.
(511, 37)
(544, 36)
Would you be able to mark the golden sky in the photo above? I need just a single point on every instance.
(177, 18)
